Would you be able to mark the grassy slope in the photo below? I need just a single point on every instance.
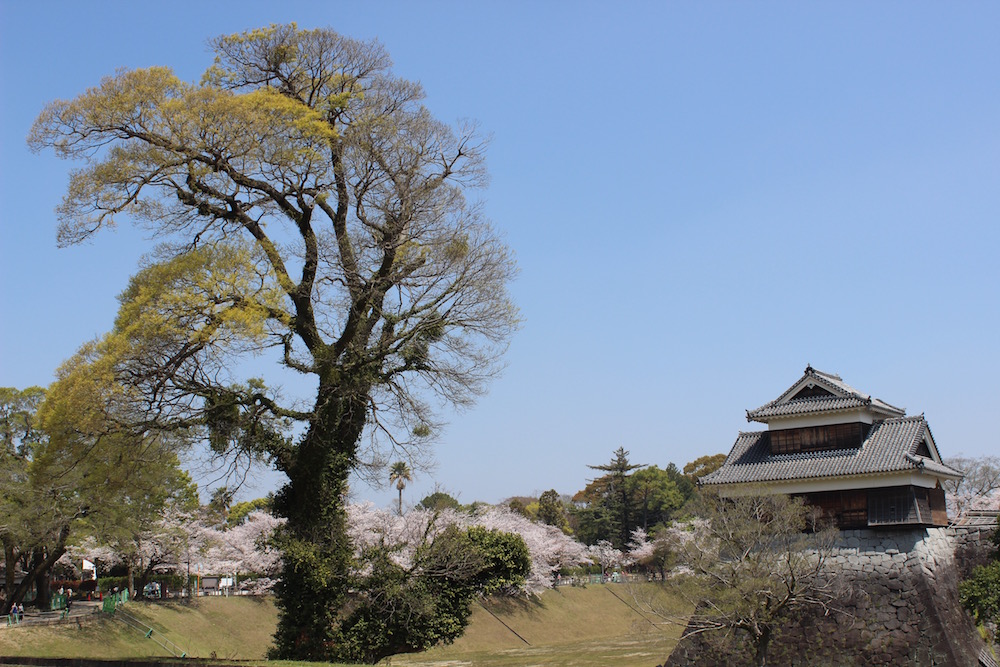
(571, 626)
(235, 628)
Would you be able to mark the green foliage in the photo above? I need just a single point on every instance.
(681, 481)
(240, 422)
(439, 500)
(655, 496)
(551, 510)
(20, 434)
(402, 610)
(518, 505)
(980, 593)
(628, 497)
(311, 591)
(506, 561)
(309, 205)
(19, 430)
(703, 466)
(610, 511)
(81, 470)
(239, 512)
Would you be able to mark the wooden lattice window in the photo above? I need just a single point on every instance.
(898, 505)
(818, 438)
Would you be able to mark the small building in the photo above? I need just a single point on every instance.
(860, 459)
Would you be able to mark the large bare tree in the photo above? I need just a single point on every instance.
(307, 203)
(749, 566)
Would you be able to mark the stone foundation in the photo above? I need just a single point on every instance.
(898, 605)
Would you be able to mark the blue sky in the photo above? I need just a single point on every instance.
(703, 198)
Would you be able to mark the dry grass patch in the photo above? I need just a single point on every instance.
(231, 628)
(589, 627)
(579, 627)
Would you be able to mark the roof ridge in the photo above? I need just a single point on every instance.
(890, 405)
(815, 371)
(902, 418)
(831, 380)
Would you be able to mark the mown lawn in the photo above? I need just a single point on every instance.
(586, 627)
(590, 627)
(227, 628)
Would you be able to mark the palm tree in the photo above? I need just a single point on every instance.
(400, 473)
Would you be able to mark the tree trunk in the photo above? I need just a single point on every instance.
(131, 580)
(760, 646)
(316, 552)
(43, 592)
(145, 573)
(38, 571)
(9, 563)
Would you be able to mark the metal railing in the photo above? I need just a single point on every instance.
(149, 633)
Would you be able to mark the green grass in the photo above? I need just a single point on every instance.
(584, 627)
(232, 628)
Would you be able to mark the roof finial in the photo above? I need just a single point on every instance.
(809, 368)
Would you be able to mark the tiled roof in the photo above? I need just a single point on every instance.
(889, 448)
(801, 406)
(845, 397)
(983, 518)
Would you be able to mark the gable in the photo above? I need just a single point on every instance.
(813, 391)
(923, 450)
(819, 393)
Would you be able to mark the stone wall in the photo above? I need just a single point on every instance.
(897, 605)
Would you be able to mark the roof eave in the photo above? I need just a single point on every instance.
(858, 475)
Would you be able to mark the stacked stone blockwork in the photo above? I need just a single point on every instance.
(897, 604)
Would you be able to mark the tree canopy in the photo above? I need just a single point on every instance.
(704, 465)
(627, 497)
(307, 204)
(69, 472)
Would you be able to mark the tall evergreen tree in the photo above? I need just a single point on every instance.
(610, 507)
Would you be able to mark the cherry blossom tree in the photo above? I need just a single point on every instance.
(184, 541)
(550, 549)
(243, 548)
(161, 546)
(978, 490)
(606, 555)
(640, 549)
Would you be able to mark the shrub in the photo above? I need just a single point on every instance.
(980, 594)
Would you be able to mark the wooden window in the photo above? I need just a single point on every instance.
(818, 438)
(939, 510)
(846, 509)
(895, 506)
